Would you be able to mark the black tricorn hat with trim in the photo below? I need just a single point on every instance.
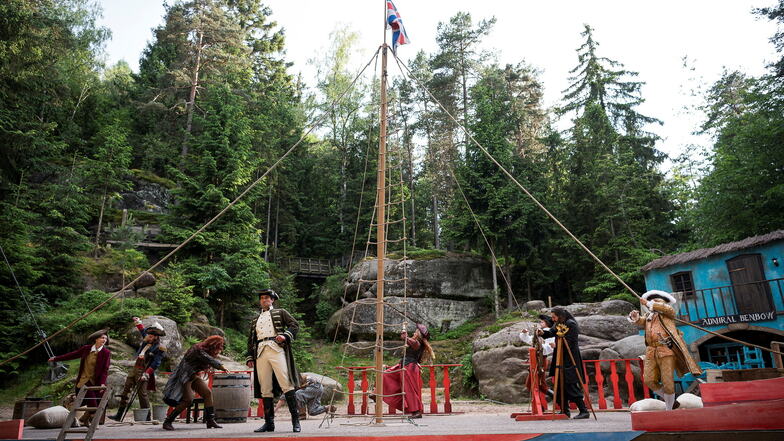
(267, 291)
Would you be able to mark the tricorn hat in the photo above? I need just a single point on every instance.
(547, 319)
(654, 293)
(423, 331)
(92, 337)
(155, 329)
(267, 291)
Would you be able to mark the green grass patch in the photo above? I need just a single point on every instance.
(457, 333)
(417, 254)
(29, 384)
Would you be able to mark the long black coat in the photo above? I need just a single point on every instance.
(195, 360)
(569, 368)
(287, 326)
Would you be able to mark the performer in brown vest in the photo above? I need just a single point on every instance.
(93, 368)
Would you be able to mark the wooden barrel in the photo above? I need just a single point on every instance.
(231, 395)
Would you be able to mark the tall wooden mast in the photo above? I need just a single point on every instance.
(381, 238)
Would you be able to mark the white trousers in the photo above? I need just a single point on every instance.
(270, 361)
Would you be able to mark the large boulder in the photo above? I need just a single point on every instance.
(200, 331)
(500, 364)
(172, 341)
(632, 346)
(607, 307)
(148, 292)
(607, 327)
(440, 314)
(146, 196)
(534, 305)
(450, 277)
(146, 279)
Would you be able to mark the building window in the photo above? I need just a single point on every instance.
(682, 282)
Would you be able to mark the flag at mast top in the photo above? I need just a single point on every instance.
(394, 21)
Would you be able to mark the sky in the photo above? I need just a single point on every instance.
(648, 37)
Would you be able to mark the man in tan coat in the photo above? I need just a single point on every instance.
(665, 349)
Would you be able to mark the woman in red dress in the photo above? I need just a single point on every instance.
(408, 381)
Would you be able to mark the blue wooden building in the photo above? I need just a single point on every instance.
(734, 289)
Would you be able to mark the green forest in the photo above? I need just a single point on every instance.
(214, 105)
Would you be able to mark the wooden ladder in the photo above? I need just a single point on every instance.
(77, 407)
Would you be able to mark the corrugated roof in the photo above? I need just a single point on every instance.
(702, 253)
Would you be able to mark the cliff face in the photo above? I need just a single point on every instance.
(442, 293)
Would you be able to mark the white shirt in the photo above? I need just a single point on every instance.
(95, 349)
(265, 329)
(528, 339)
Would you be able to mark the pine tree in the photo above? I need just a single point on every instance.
(613, 197)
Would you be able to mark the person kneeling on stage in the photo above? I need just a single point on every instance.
(308, 397)
(417, 350)
(270, 352)
(571, 386)
(186, 379)
(665, 349)
(142, 376)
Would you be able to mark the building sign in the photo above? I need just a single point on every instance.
(738, 318)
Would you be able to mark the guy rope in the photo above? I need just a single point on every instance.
(407, 72)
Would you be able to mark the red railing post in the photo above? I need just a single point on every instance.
(630, 381)
(350, 385)
(600, 385)
(614, 381)
(433, 402)
(364, 384)
(390, 409)
(447, 384)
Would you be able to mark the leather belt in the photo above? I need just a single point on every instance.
(268, 338)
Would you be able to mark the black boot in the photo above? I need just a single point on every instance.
(269, 416)
(167, 423)
(209, 418)
(291, 400)
(120, 412)
(583, 411)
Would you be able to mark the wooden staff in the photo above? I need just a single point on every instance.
(580, 377)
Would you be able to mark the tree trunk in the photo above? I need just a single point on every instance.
(267, 230)
(100, 222)
(277, 217)
(436, 226)
(496, 299)
(192, 98)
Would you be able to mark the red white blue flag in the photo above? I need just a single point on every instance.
(394, 21)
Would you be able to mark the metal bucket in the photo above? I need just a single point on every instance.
(159, 412)
(231, 396)
(141, 414)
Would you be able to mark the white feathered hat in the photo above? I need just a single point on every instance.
(669, 298)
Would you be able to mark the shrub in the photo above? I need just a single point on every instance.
(174, 298)
(624, 296)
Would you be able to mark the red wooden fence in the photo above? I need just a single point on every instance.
(629, 380)
(364, 385)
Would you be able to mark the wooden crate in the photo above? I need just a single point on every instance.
(24, 409)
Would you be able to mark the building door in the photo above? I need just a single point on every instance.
(745, 270)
